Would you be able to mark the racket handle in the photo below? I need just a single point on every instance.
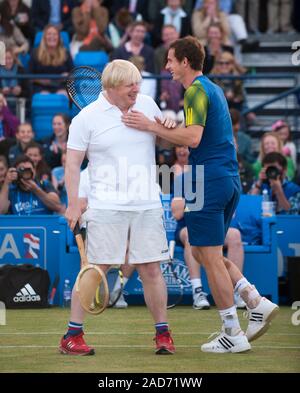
(172, 248)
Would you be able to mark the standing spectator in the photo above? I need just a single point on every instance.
(22, 194)
(57, 144)
(24, 136)
(12, 36)
(35, 152)
(172, 14)
(271, 143)
(52, 12)
(13, 86)
(18, 13)
(50, 57)
(250, 8)
(279, 16)
(3, 170)
(288, 147)
(136, 46)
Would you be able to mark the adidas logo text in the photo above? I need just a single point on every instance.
(27, 294)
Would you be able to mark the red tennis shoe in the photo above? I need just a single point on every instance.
(75, 345)
(164, 344)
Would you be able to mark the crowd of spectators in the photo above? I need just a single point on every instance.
(140, 31)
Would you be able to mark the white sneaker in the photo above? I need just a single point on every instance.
(239, 302)
(224, 343)
(200, 301)
(260, 318)
(121, 303)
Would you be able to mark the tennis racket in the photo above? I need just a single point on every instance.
(53, 290)
(115, 283)
(83, 85)
(173, 282)
(91, 284)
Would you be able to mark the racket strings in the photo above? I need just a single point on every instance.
(84, 86)
(93, 290)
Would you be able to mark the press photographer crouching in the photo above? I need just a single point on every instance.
(23, 194)
(272, 177)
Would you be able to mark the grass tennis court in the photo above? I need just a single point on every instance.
(123, 343)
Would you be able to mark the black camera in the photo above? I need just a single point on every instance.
(24, 173)
(272, 173)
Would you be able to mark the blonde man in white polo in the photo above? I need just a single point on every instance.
(124, 202)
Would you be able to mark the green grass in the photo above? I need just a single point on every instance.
(123, 343)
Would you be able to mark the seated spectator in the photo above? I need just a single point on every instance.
(232, 88)
(244, 141)
(138, 9)
(148, 86)
(12, 87)
(288, 147)
(271, 143)
(35, 152)
(57, 144)
(22, 194)
(272, 177)
(50, 57)
(136, 47)
(209, 14)
(19, 14)
(3, 170)
(215, 46)
(117, 29)
(169, 34)
(172, 14)
(90, 21)
(12, 36)
(8, 126)
(58, 180)
(48, 12)
(24, 136)
(181, 160)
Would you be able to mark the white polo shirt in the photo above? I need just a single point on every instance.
(84, 184)
(122, 168)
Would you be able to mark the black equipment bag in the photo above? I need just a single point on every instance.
(24, 286)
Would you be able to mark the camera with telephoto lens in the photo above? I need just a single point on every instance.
(24, 173)
(272, 173)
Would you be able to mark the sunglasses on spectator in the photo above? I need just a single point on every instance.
(224, 62)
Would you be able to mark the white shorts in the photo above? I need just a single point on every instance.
(111, 232)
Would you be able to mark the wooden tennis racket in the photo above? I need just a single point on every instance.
(91, 284)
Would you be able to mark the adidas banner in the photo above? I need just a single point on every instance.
(24, 286)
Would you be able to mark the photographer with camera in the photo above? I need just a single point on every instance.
(23, 194)
(272, 178)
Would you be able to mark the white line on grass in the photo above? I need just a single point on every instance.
(126, 334)
(138, 346)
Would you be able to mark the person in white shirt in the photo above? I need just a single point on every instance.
(124, 202)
